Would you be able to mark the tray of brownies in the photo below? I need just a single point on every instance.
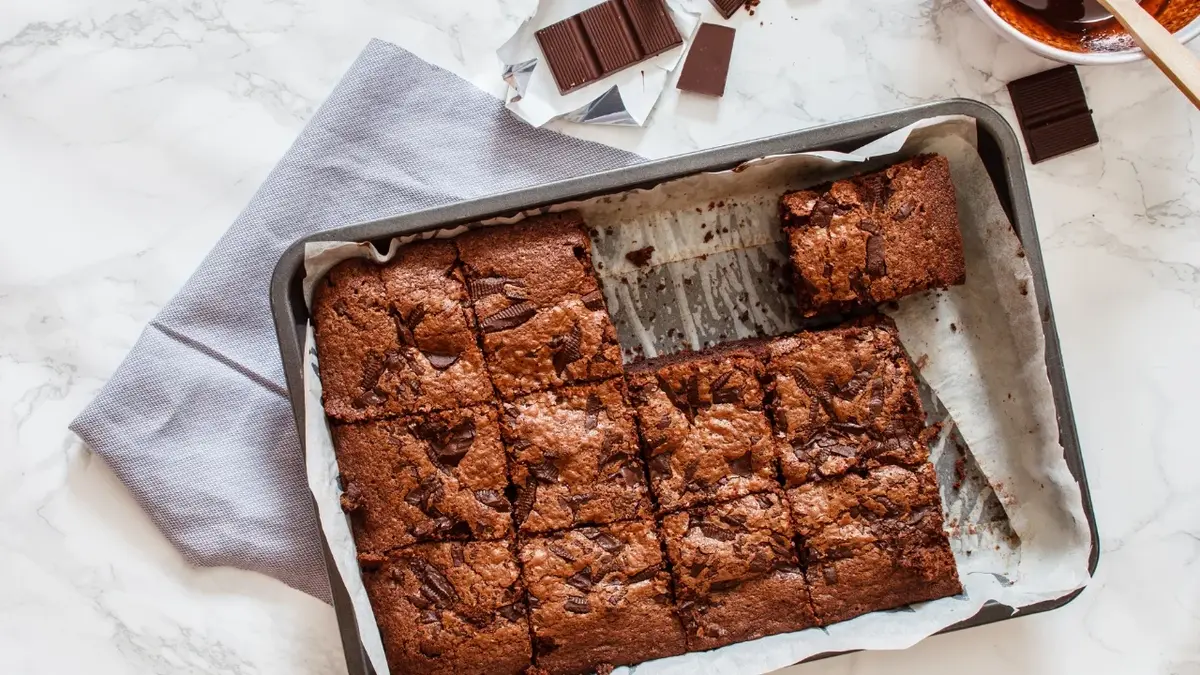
(713, 414)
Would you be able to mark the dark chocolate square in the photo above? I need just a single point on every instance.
(1053, 113)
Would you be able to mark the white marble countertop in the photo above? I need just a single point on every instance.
(132, 132)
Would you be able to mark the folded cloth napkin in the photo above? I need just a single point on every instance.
(195, 421)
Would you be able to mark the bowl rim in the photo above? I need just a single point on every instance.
(985, 11)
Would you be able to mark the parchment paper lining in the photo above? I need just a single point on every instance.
(1013, 511)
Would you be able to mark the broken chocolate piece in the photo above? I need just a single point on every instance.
(509, 317)
(707, 66)
(1052, 111)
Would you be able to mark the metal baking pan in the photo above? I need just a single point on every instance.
(1001, 156)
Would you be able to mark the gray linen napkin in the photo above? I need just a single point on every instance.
(195, 420)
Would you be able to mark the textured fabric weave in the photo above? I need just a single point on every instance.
(195, 421)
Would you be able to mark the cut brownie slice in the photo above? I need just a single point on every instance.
(737, 575)
(874, 238)
(574, 458)
(845, 398)
(451, 608)
(539, 305)
(398, 338)
(433, 478)
(701, 416)
(600, 597)
(874, 542)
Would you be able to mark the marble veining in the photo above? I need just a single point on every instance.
(133, 131)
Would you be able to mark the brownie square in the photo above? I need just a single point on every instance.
(874, 238)
(600, 597)
(451, 608)
(843, 399)
(574, 458)
(874, 541)
(701, 416)
(737, 575)
(539, 306)
(431, 478)
(398, 338)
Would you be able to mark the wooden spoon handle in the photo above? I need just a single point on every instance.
(1174, 59)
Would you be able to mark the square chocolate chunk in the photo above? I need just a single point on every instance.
(845, 398)
(539, 306)
(600, 597)
(574, 458)
(397, 338)
(431, 478)
(707, 437)
(451, 609)
(737, 575)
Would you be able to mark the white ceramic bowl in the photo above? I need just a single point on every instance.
(990, 17)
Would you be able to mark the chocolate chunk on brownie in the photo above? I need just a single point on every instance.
(436, 477)
(600, 597)
(707, 437)
(397, 338)
(539, 306)
(737, 575)
(451, 608)
(874, 238)
(874, 541)
(844, 398)
(574, 458)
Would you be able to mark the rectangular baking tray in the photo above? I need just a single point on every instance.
(998, 148)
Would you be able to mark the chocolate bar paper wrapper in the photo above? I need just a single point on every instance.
(625, 97)
(1014, 514)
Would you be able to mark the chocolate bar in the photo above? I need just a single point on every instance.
(707, 64)
(598, 42)
(727, 8)
(1053, 113)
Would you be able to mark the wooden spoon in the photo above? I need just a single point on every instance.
(1179, 64)
(1175, 60)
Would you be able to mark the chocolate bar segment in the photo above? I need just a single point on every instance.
(1053, 113)
(727, 8)
(598, 42)
(707, 64)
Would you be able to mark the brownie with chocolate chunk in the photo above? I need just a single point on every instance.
(600, 597)
(398, 338)
(707, 437)
(737, 574)
(873, 541)
(539, 306)
(451, 609)
(435, 477)
(574, 458)
(874, 238)
(843, 399)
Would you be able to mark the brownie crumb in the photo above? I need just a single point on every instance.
(640, 257)
(960, 472)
